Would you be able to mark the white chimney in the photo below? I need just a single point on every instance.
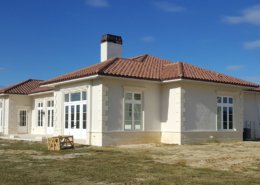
(111, 46)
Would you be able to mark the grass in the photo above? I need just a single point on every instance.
(31, 163)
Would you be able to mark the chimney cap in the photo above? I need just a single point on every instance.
(112, 38)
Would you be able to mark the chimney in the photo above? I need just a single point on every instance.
(111, 46)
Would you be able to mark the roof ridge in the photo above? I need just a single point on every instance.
(109, 63)
(143, 57)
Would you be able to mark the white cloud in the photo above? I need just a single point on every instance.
(235, 67)
(252, 44)
(250, 15)
(148, 39)
(168, 7)
(98, 3)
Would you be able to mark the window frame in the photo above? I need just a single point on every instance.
(133, 102)
(77, 121)
(26, 117)
(50, 113)
(228, 106)
(40, 109)
(1, 114)
(82, 98)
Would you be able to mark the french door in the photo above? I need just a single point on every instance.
(50, 124)
(76, 119)
(1, 118)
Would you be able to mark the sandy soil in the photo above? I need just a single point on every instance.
(225, 156)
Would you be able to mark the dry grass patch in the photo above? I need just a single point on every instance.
(31, 163)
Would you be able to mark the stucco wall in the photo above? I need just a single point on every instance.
(171, 112)
(200, 109)
(115, 103)
(252, 113)
(16, 103)
(113, 111)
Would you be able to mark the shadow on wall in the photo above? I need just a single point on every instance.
(251, 130)
(200, 110)
(165, 104)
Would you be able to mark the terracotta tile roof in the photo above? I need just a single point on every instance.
(188, 71)
(150, 68)
(25, 87)
(92, 70)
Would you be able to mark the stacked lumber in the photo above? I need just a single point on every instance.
(60, 143)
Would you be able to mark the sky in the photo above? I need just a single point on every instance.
(41, 39)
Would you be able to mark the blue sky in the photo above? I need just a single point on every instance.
(41, 39)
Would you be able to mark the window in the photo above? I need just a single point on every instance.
(84, 116)
(77, 96)
(50, 111)
(133, 111)
(225, 113)
(40, 114)
(84, 95)
(22, 118)
(75, 110)
(66, 116)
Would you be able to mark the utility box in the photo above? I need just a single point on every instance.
(247, 134)
(60, 142)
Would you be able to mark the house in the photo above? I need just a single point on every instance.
(143, 99)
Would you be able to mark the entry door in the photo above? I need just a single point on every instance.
(75, 120)
(1, 118)
(50, 123)
(23, 122)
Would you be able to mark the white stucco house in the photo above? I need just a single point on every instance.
(142, 99)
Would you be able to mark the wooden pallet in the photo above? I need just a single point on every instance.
(60, 143)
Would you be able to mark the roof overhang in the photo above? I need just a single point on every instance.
(252, 91)
(147, 80)
(71, 81)
(8, 94)
(129, 78)
(40, 93)
(209, 82)
(3, 94)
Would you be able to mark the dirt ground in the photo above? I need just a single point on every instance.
(238, 156)
(215, 163)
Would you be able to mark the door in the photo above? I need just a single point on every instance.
(1, 118)
(75, 120)
(50, 124)
(23, 122)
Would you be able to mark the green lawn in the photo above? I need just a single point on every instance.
(31, 163)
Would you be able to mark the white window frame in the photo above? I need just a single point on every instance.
(50, 113)
(227, 105)
(26, 117)
(40, 107)
(133, 102)
(1, 113)
(80, 103)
